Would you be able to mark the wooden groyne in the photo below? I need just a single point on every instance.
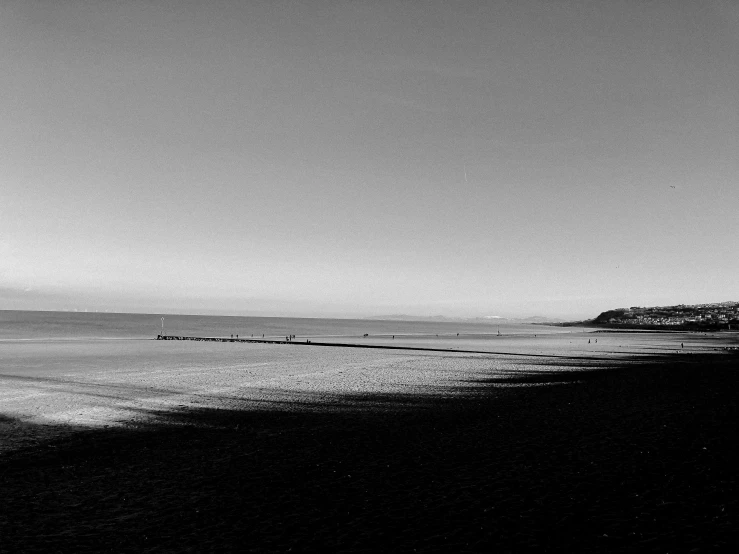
(308, 342)
(224, 339)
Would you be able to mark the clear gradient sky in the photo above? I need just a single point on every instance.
(311, 158)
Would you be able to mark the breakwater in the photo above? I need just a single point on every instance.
(308, 342)
(224, 339)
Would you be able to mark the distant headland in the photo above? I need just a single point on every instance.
(722, 315)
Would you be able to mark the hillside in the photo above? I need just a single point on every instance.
(723, 315)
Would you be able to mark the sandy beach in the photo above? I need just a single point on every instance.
(287, 448)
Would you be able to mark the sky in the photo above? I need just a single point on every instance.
(348, 159)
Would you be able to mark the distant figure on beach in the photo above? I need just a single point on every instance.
(681, 345)
(588, 341)
(596, 341)
(393, 336)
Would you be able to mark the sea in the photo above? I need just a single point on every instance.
(39, 325)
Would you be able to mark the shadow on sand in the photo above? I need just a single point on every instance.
(590, 458)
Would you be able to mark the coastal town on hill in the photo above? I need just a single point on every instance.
(722, 315)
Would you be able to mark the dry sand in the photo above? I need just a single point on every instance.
(277, 448)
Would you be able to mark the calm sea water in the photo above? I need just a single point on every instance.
(25, 325)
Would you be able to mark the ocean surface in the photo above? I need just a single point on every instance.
(30, 325)
(80, 330)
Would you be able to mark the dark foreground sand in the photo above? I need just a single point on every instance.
(633, 458)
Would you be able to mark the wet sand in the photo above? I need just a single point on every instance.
(586, 451)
